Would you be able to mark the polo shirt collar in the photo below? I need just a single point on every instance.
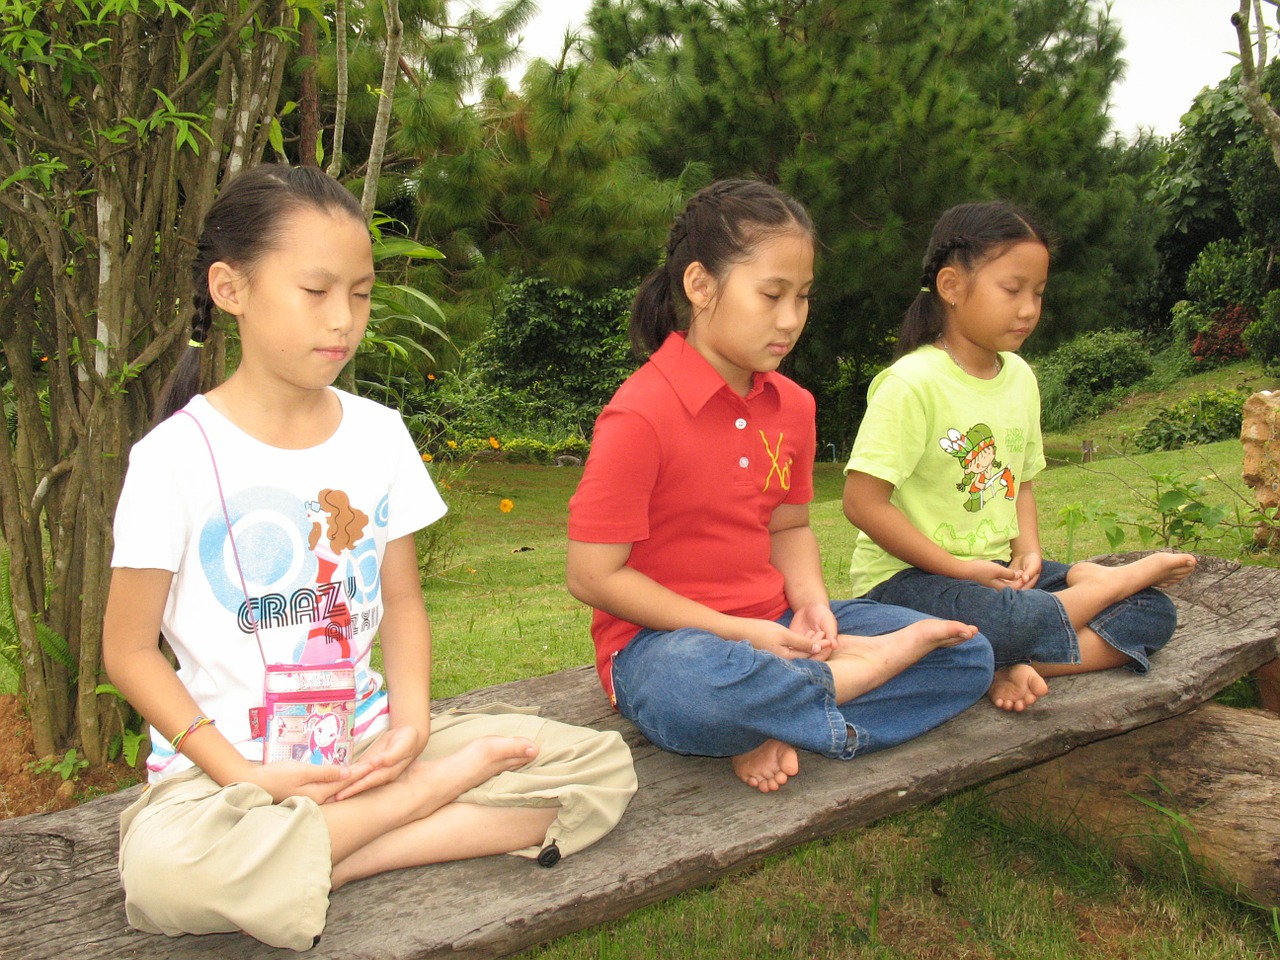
(693, 379)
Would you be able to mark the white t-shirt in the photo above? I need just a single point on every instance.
(310, 529)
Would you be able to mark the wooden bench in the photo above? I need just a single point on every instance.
(690, 823)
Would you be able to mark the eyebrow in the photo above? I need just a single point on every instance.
(328, 276)
(785, 280)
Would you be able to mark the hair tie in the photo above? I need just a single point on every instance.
(679, 234)
(925, 290)
(195, 343)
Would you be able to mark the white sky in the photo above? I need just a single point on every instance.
(1173, 48)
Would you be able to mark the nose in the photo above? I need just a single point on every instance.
(342, 318)
(793, 315)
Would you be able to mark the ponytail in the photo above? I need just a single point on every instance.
(653, 313)
(720, 227)
(921, 324)
(184, 381)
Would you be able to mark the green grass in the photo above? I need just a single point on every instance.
(947, 880)
(944, 881)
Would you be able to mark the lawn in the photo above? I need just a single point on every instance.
(947, 880)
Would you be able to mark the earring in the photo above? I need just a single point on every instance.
(953, 304)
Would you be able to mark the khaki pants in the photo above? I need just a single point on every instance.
(199, 858)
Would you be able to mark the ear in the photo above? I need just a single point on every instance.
(950, 284)
(226, 286)
(699, 286)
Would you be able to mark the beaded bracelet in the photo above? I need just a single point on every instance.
(196, 724)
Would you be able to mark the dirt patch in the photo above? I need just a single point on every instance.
(25, 788)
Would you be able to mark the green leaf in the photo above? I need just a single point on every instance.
(275, 136)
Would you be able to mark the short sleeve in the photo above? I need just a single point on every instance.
(414, 500)
(894, 414)
(611, 504)
(152, 523)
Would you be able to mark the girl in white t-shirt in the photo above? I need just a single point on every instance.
(272, 521)
(939, 481)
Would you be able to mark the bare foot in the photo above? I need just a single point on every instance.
(444, 779)
(1155, 570)
(768, 766)
(1017, 687)
(860, 664)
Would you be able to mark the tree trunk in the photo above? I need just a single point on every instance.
(340, 97)
(1198, 792)
(1250, 85)
(308, 97)
(382, 125)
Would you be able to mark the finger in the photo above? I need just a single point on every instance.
(360, 786)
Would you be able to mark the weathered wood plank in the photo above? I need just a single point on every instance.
(1216, 768)
(690, 822)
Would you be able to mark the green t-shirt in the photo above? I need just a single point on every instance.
(955, 448)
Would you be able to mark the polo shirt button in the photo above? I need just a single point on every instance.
(743, 461)
(740, 423)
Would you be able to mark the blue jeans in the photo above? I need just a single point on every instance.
(1032, 624)
(693, 692)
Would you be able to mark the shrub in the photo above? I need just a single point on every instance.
(556, 355)
(1228, 272)
(1262, 336)
(525, 450)
(1186, 320)
(1223, 341)
(571, 447)
(1059, 407)
(1088, 374)
(1202, 418)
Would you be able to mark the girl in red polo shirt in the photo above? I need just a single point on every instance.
(689, 533)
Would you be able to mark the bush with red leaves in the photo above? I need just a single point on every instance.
(1223, 342)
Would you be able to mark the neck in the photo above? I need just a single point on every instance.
(973, 360)
(284, 417)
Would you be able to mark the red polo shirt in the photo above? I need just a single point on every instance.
(689, 473)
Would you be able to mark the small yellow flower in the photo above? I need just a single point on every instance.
(427, 458)
(506, 506)
(493, 442)
(451, 444)
(431, 376)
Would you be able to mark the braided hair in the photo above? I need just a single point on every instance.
(721, 226)
(241, 228)
(965, 237)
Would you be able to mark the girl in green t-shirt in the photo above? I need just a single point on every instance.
(939, 482)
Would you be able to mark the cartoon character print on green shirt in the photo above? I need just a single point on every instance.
(985, 477)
